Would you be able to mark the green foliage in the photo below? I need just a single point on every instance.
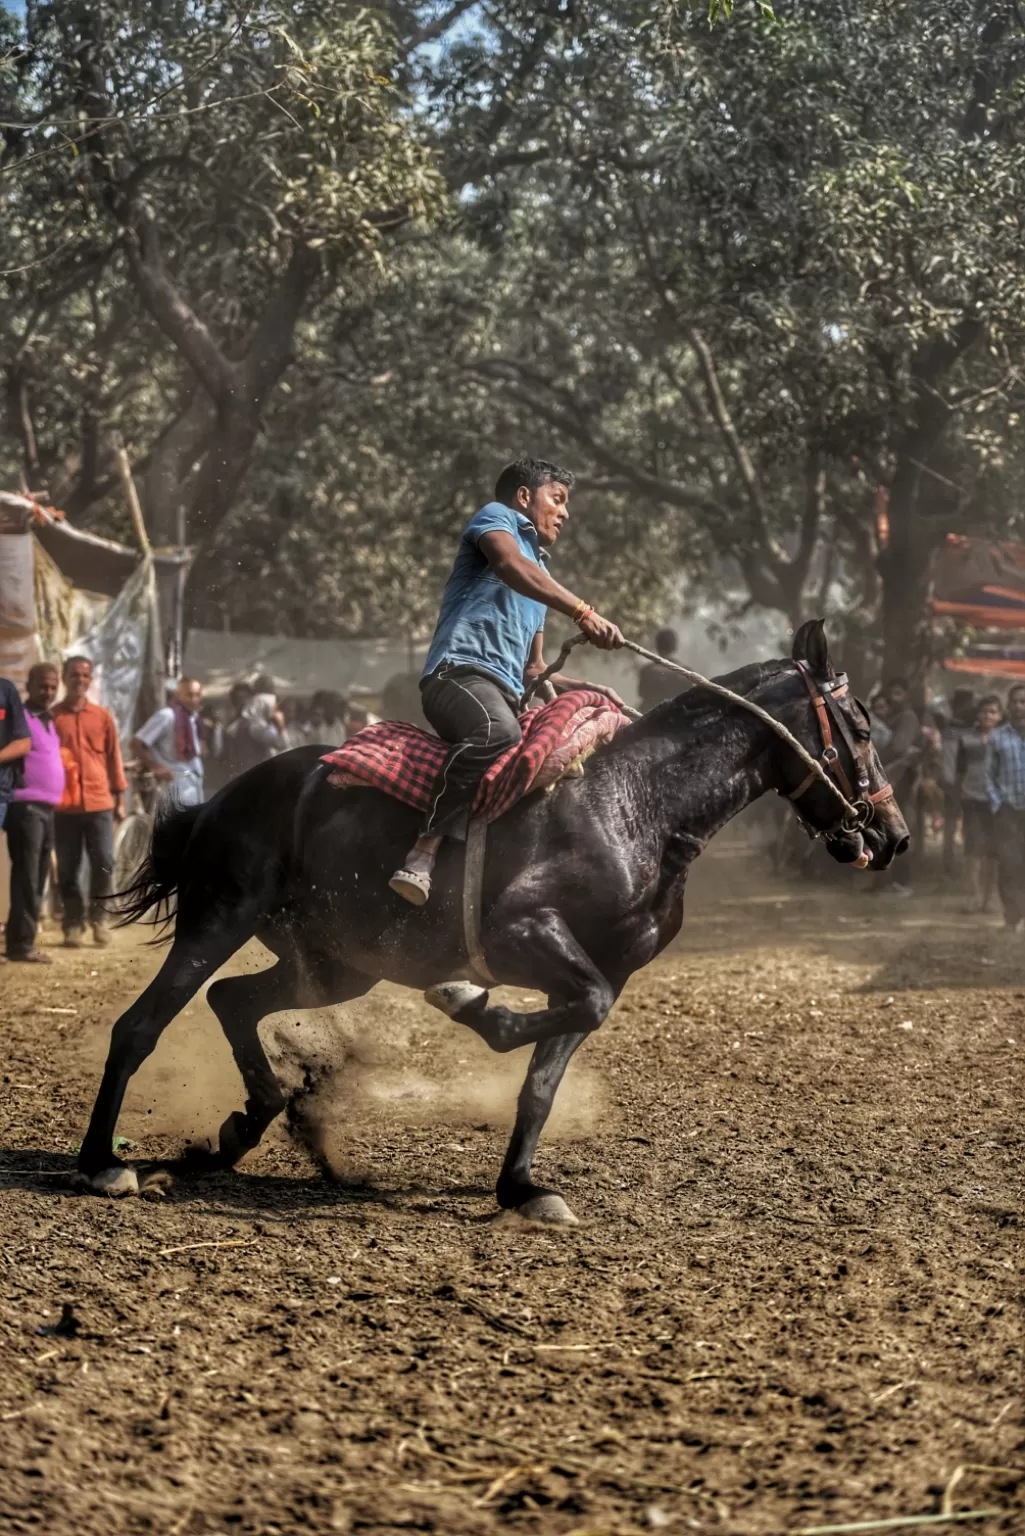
(739, 276)
(187, 183)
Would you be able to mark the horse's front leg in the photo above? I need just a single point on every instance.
(516, 1190)
(535, 950)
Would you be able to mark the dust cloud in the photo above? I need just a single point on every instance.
(390, 1060)
(353, 1074)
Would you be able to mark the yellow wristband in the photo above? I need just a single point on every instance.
(579, 611)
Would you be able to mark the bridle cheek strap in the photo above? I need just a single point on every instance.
(823, 702)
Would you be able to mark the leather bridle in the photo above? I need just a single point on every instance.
(824, 696)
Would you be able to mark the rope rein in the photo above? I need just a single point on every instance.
(811, 763)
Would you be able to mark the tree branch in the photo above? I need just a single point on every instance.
(721, 415)
(811, 518)
(479, 160)
(672, 492)
(989, 76)
(21, 419)
(178, 321)
(270, 350)
(435, 29)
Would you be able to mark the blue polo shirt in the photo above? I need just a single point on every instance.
(483, 623)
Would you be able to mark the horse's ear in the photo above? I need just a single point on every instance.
(810, 646)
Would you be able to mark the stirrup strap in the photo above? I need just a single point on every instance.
(473, 881)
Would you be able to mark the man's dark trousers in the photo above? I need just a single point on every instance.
(29, 828)
(478, 716)
(91, 833)
(1010, 841)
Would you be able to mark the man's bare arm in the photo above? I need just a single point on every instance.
(21, 747)
(149, 761)
(504, 557)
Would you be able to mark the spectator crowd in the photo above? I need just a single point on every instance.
(957, 768)
(958, 771)
(63, 783)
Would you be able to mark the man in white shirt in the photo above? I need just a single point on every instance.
(168, 745)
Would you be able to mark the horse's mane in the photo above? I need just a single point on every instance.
(695, 701)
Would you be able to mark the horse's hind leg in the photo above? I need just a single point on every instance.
(189, 964)
(535, 950)
(240, 1002)
(516, 1190)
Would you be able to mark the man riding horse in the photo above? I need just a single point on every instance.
(488, 645)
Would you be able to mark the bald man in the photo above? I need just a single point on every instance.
(168, 745)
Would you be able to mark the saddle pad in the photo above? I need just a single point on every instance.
(405, 762)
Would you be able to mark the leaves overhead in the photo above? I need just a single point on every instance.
(740, 275)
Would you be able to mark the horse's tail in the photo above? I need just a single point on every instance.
(156, 884)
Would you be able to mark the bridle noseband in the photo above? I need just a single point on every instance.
(823, 696)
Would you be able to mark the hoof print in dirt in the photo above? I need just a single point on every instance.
(550, 1210)
(453, 996)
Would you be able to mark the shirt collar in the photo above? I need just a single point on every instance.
(529, 532)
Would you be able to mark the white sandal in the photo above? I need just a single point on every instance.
(411, 886)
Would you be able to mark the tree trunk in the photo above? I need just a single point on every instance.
(904, 565)
(904, 571)
(169, 475)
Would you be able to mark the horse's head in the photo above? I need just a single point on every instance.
(834, 728)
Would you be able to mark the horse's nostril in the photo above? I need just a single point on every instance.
(902, 846)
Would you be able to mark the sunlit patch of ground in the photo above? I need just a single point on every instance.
(796, 1149)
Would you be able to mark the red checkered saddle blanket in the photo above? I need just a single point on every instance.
(405, 761)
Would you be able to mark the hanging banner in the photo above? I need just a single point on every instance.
(124, 648)
(17, 600)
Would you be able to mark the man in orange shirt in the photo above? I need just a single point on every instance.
(94, 791)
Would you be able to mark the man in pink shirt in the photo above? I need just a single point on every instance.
(29, 823)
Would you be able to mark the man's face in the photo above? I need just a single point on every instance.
(1016, 707)
(78, 676)
(897, 695)
(190, 695)
(42, 689)
(989, 717)
(547, 508)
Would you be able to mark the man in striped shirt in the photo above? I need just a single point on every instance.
(1005, 782)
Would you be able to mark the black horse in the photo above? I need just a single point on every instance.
(582, 887)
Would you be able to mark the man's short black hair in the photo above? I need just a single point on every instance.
(667, 642)
(533, 473)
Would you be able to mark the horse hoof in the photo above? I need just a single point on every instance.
(115, 1183)
(453, 996)
(551, 1209)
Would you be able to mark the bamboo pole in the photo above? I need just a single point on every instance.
(124, 470)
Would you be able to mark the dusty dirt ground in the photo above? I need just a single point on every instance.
(793, 1299)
